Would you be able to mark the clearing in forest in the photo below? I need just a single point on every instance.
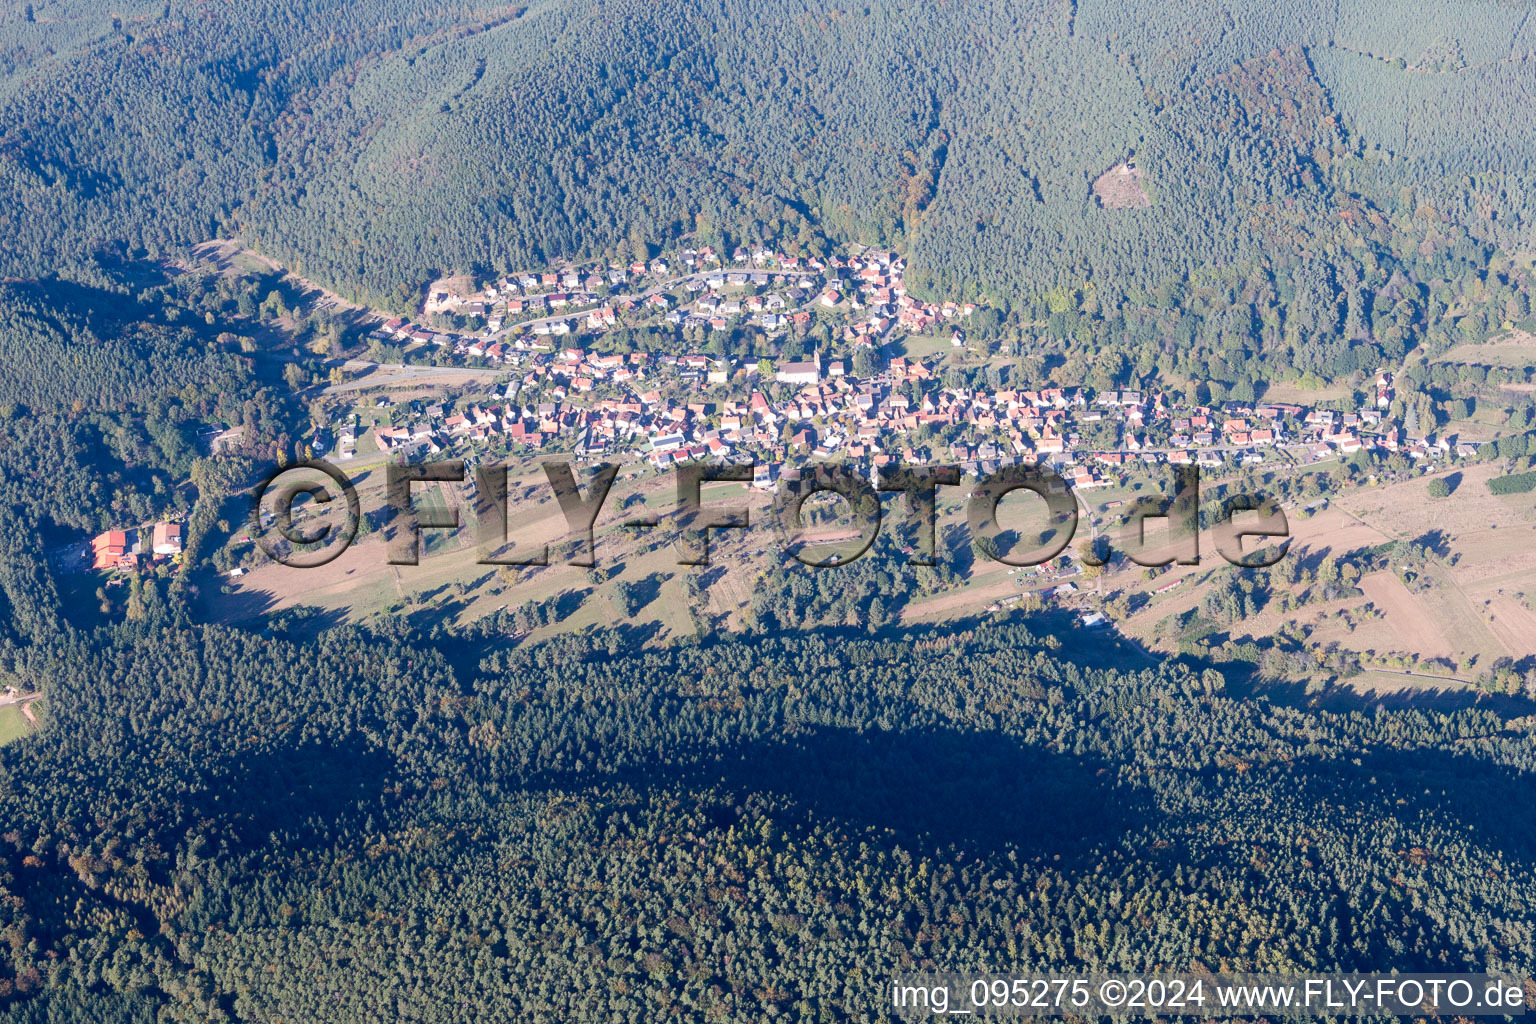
(1119, 188)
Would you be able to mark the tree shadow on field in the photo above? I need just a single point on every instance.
(306, 622)
(1342, 698)
(1436, 542)
(234, 606)
(710, 576)
(648, 589)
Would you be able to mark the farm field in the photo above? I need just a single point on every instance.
(1516, 349)
(1472, 607)
(450, 579)
(451, 582)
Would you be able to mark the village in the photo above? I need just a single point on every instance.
(777, 362)
(670, 407)
(548, 371)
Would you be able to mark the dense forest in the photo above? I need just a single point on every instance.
(1329, 185)
(364, 827)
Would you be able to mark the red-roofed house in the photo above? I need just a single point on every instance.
(109, 550)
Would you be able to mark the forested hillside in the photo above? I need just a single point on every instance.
(1308, 168)
(417, 818)
(105, 403)
(355, 829)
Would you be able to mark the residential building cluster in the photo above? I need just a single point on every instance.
(665, 408)
(131, 549)
(760, 288)
(660, 408)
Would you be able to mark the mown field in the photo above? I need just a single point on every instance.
(14, 724)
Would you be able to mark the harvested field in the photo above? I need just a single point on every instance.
(965, 601)
(1513, 624)
(1407, 623)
